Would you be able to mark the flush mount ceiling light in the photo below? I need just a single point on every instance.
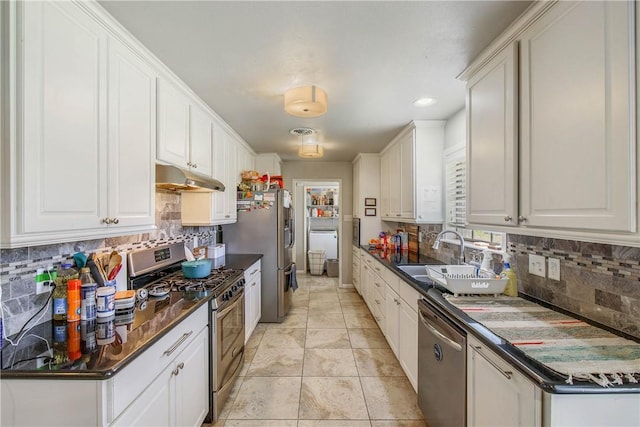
(424, 102)
(311, 149)
(305, 101)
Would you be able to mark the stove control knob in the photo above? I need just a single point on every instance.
(225, 296)
(234, 288)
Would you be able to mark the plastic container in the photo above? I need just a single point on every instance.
(125, 300)
(511, 289)
(196, 269)
(60, 304)
(105, 301)
(333, 267)
(73, 300)
(316, 261)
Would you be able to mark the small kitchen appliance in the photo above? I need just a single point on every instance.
(159, 271)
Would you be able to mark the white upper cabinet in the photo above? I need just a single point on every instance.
(557, 101)
(62, 153)
(132, 137)
(201, 137)
(83, 142)
(268, 163)
(578, 118)
(173, 124)
(411, 174)
(185, 130)
(492, 173)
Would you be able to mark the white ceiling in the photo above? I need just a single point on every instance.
(372, 58)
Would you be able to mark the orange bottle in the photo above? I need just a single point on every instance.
(73, 300)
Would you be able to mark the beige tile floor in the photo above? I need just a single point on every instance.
(326, 365)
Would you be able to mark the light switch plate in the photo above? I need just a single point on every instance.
(537, 265)
(554, 269)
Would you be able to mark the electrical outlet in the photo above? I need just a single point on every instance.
(43, 281)
(554, 269)
(537, 265)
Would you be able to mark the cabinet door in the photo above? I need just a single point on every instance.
(201, 141)
(407, 176)
(233, 177)
(192, 382)
(154, 407)
(356, 189)
(61, 157)
(132, 137)
(173, 125)
(578, 117)
(385, 203)
(392, 317)
(492, 168)
(394, 175)
(497, 395)
(408, 342)
(220, 167)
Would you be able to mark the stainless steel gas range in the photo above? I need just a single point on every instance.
(158, 271)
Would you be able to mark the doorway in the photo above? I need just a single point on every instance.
(318, 206)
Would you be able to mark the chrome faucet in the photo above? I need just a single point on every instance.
(436, 244)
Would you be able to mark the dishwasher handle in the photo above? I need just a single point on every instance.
(434, 331)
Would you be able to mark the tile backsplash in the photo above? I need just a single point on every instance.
(18, 266)
(597, 281)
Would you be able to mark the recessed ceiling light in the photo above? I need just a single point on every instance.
(424, 102)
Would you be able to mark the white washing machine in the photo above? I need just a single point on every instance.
(326, 240)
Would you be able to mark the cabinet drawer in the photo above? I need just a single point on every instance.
(409, 295)
(250, 273)
(392, 280)
(135, 377)
(379, 286)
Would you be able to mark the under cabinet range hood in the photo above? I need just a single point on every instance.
(176, 179)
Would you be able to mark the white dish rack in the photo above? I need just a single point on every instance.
(466, 279)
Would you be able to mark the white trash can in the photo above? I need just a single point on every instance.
(316, 262)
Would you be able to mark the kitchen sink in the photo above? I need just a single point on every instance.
(414, 270)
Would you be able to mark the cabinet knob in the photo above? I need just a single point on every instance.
(397, 214)
(194, 165)
(115, 220)
(188, 163)
(105, 221)
(181, 365)
(522, 219)
(175, 371)
(507, 218)
(227, 216)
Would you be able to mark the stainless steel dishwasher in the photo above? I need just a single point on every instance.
(442, 368)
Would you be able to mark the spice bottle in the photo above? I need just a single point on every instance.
(64, 274)
(73, 300)
(87, 295)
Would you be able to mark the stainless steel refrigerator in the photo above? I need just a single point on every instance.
(266, 225)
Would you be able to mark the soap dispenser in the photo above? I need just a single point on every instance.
(512, 281)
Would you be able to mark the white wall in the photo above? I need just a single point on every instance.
(455, 131)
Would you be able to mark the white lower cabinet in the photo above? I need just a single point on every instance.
(166, 385)
(252, 298)
(498, 395)
(355, 272)
(401, 329)
(179, 395)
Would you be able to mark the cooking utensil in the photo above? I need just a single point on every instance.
(95, 272)
(114, 272)
(196, 269)
(188, 254)
(115, 260)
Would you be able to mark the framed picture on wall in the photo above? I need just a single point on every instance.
(370, 212)
(370, 201)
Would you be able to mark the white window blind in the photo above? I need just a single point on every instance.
(456, 173)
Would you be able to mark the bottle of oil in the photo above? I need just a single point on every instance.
(512, 281)
(60, 306)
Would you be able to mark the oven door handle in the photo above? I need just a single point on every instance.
(439, 334)
(231, 304)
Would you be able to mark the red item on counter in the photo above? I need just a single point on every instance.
(73, 300)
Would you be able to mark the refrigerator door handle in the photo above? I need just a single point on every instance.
(290, 270)
(293, 227)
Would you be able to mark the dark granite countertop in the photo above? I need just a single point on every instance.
(544, 377)
(151, 321)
